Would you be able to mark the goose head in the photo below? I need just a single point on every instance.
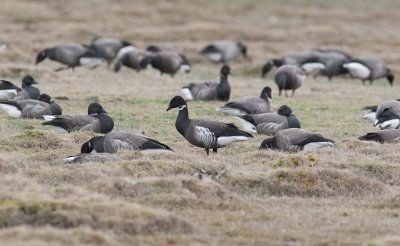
(89, 146)
(285, 110)
(390, 78)
(269, 143)
(45, 98)
(95, 109)
(28, 80)
(41, 56)
(225, 70)
(266, 93)
(177, 102)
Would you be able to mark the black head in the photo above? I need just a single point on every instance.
(266, 92)
(225, 70)
(41, 56)
(153, 48)
(242, 48)
(45, 98)
(266, 68)
(29, 80)
(269, 143)
(89, 146)
(145, 62)
(126, 43)
(176, 102)
(96, 108)
(285, 110)
(390, 78)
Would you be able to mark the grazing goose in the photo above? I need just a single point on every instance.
(97, 120)
(72, 55)
(332, 61)
(110, 48)
(134, 59)
(210, 90)
(302, 59)
(118, 141)
(224, 51)
(31, 108)
(384, 136)
(270, 123)
(7, 89)
(369, 69)
(388, 115)
(205, 133)
(295, 139)
(289, 77)
(248, 104)
(94, 157)
(169, 62)
(28, 91)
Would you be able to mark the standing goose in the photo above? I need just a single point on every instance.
(224, 51)
(71, 54)
(295, 139)
(30, 108)
(94, 157)
(117, 141)
(7, 89)
(109, 48)
(169, 62)
(210, 90)
(332, 61)
(97, 120)
(205, 133)
(292, 59)
(248, 104)
(384, 136)
(28, 91)
(369, 69)
(133, 59)
(270, 123)
(289, 77)
(388, 115)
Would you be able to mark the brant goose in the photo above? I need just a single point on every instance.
(210, 90)
(224, 51)
(388, 115)
(97, 120)
(369, 69)
(270, 123)
(169, 62)
(110, 48)
(248, 104)
(384, 136)
(31, 108)
(133, 59)
(289, 77)
(295, 139)
(28, 91)
(205, 134)
(117, 141)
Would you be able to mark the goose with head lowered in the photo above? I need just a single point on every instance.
(169, 62)
(97, 120)
(270, 123)
(369, 69)
(209, 90)
(224, 51)
(92, 157)
(28, 90)
(289, 77)
(248, 104)
(132, 59)
(31, 108)
(295, 139)
(7, 89)
(384, 136)
(121, 141)
(205, 134)
(110, 48)
(71, 55)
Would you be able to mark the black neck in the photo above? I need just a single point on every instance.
(223, 88)
(55, 108)
(182, 121)
(264, 96)
(293, 122)
(106, 123)
(99, 145)
(50, 53)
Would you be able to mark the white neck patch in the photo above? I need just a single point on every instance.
(181, 107)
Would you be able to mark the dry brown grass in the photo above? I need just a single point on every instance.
(343, 195)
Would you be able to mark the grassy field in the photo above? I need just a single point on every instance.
(348, 195)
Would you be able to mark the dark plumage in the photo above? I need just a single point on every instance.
(388, 115)
(133, 59)
(169, 62)
(30, 108)
(71, 55)
(270, 123)
(224, 51)
(108, 48)
(97, 120)
(289, 77)
(7, 89)
(205, 134)
(117, 141)
(210, 90)
(292, 59)
(28, 91)
(295, 139)
(384, 136)
(248, 104)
